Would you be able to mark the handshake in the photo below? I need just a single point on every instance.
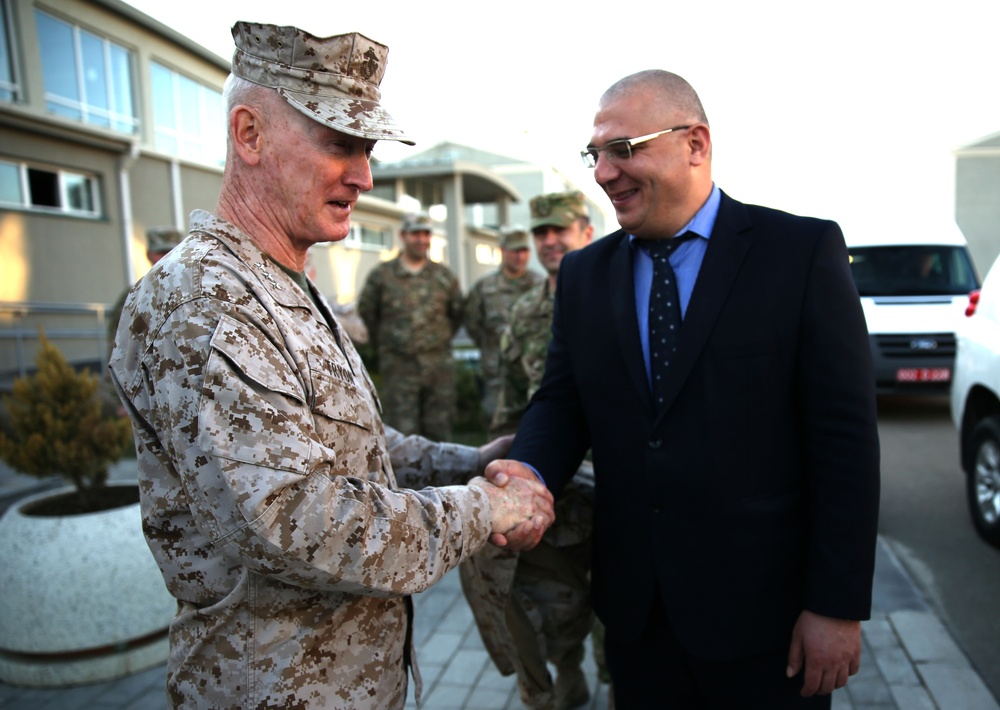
(521, 505)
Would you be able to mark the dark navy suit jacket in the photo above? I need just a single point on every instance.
(754, 494)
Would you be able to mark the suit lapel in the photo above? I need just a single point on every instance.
(727, 247)
(623, 311)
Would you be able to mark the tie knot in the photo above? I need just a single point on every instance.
(657, 248)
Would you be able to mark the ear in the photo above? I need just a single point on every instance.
(700, 143)
(246, 127)
(588, 234)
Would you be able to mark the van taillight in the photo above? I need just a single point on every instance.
(973, 302)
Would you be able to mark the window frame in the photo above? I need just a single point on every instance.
(10, 84)
(355, 238)
(210, 138)
(64, 186)
(78, 109)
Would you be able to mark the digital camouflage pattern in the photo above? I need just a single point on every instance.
(550, 585)
(411, 318)
(523, 347)
(271, 494)
(487, 313)
(333, 80)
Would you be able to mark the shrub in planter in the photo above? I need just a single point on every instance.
(57, 427)
(83, 599)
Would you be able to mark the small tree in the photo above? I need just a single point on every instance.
(57, 427)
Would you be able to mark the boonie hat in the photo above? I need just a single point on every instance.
(162, 239)
(514, 237)
(558, 208)
(334, 80)
(418, 222)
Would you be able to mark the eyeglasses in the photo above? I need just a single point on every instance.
(621, 150)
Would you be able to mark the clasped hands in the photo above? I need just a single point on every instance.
(522, 507)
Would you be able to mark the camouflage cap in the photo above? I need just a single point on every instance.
(514, 236)
(558, 208)
(332, 80)
(162, 239)
(418, 222)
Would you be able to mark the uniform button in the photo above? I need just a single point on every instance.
(655, 443)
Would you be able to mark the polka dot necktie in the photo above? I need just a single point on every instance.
(664, 313)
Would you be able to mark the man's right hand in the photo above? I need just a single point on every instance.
(523, 508)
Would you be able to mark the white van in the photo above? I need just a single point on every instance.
(914, 291)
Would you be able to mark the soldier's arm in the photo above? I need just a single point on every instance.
(369, 304)
(513, 396)
(270, 489)
(474, 315)
(456, 306)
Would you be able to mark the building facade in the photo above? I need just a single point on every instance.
(112, 123)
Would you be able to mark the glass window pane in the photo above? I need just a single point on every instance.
(189, 114)
(79, 192)
(10, 184)
(44, 188)
(121, 88)
(163, 95)
(55, 40)
(6, 66)
(95, 80)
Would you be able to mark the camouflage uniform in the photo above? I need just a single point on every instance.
(534, 607)
(269, 487)
(411, 318)
(523, 347)
(487, 313)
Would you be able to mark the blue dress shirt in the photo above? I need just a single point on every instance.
(685, 261)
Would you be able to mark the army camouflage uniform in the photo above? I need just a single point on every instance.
(487, 313)
(269, 487)
(411, 318)
(534, 607)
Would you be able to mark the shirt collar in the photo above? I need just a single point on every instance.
(703, 221)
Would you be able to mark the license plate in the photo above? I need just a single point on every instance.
(923, 374)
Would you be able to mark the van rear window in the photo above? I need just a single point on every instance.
(910, 270)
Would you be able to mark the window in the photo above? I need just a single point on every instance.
(912, 270)
(87, 78)
(8, 79)
(48, 190)
(188, 118)
(362, 235)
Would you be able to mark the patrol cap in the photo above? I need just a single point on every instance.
(514, 236)
(418, 222)
(558, 208)
(162, 239)
(333, 80)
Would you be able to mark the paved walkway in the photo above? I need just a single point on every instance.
(909, 660)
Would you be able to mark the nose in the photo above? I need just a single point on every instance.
(605, 171)
(359, 172)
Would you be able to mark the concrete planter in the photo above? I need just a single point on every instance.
(82, 598)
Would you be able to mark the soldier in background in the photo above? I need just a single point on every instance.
(277, 505)
(412, 308)
(488, 305)
(533, 608)
(159, 242)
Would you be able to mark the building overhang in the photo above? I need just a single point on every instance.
(479, 184)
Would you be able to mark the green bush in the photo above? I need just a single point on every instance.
(56, 425)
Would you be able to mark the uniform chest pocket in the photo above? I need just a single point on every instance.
(341, 400)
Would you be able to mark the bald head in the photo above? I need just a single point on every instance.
(670, 91)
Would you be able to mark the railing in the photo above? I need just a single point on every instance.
(79, 330)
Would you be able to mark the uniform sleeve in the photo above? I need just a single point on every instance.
(245, 437)
(369, 304)
(419, 462)
(513, 397)
(456, 307)
(474, 315)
